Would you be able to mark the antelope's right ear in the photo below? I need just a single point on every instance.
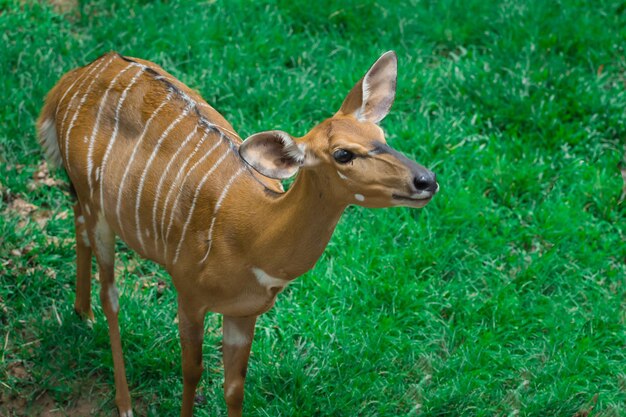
(371, 98)
(273, 153)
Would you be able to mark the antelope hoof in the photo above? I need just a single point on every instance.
(127, 413)
(199, 399)
(87, 316)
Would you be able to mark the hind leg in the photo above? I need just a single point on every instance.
(103, 244)
(82, 306)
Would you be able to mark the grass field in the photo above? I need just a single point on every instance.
(505, 296)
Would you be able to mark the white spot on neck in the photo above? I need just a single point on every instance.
(269, 281)
(359, 197)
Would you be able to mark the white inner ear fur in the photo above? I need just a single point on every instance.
(366, 90)
(378, 90)
(298, 151)
(295, 151)
(274, 154)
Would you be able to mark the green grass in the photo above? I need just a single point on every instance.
(505, 296)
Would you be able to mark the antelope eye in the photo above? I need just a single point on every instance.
(342, 156)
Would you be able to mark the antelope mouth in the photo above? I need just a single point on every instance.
(420, 199)
(412, 198)
(412, 201)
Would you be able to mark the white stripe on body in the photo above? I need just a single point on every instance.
(115, 132)
(94, 131)
(118, 204)
(191, 102)
(217, 209)
(142, 179)
(195, 199)
(170, 193)
(80, 104)
(162, 181)
(203, 104)
(83, 78)
(178, 177)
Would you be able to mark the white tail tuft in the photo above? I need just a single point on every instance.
(49, 143)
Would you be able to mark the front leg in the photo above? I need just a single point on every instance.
(191, 329)
(238, 335)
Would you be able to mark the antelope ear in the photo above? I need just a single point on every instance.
(273, 153)
(371, 98)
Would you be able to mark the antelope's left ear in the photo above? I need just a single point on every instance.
(371, 98)
(273, 153)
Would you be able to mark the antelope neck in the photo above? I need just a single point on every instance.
(302, 222)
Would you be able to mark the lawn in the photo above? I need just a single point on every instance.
(505, 296)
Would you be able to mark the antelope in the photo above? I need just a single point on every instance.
(151, 162)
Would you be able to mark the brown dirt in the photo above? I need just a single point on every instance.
(64, 6)
(44, 405)
(42, 177)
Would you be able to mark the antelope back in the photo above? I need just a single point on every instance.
(138, 147)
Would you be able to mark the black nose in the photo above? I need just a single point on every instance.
(425, 182)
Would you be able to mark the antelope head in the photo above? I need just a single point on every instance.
(348, 152)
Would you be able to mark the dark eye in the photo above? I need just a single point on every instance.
(342, 156)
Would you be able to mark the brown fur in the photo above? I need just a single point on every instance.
(282, 234)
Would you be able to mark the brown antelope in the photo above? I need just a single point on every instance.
(153, 163)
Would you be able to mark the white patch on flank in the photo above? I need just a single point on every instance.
(234, 336)
(113, 298)
(118, 205)
(49, 142)
(98, 175)
(87, 209)
(105, 240)
(142, 180)
(174, 187)
(80, 220)
(343, 177)
(80, 104)
(116, 130)
(162, 180)
(359, 197)
(195, 199)
(217, 208)
(96, 126)
(147, 232)
(269, 281)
